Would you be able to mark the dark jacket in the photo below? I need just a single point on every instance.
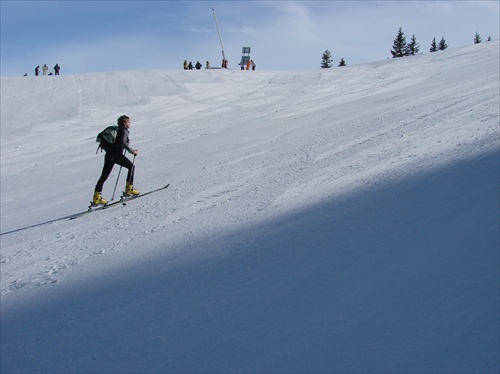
(122, 141)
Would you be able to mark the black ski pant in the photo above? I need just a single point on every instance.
(110, 160)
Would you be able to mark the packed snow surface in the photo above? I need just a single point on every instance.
(339, 220)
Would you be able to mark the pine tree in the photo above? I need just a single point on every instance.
(342, 62)
(399, 46)
(413, 46)
(477, 38)
(433, 46)
(442, 44)
(326, 61)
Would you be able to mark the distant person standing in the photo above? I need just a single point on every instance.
(207, 66)
(190, 66)
(37, 71)
(185, 65)
(198, 65)
(56, 69)
(44, 69)
(253, 65)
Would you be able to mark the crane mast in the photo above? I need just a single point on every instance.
(220, 39)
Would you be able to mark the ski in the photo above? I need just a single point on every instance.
(126, 199)
(123, 200)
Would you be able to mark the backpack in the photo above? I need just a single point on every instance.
(106, 138)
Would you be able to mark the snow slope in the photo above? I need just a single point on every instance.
(342, 220)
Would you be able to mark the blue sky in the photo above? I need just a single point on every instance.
(92, 36)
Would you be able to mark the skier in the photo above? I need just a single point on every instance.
(185, 65)
(44, 69)
(37, 70)
(56, 69)
(207, 66)
(115, 155)
(253, 64)
(198, 65)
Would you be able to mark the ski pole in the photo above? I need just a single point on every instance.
(133, 162)
(116, 184)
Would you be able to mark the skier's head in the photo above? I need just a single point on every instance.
(122, 120)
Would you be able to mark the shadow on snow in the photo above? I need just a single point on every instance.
(402, 277)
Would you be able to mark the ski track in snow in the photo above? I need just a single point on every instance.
(243, 151)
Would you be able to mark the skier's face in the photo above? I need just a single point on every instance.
(127, 123)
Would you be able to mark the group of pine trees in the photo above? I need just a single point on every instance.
(400, 48)
(326, 61)
(477, 38)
